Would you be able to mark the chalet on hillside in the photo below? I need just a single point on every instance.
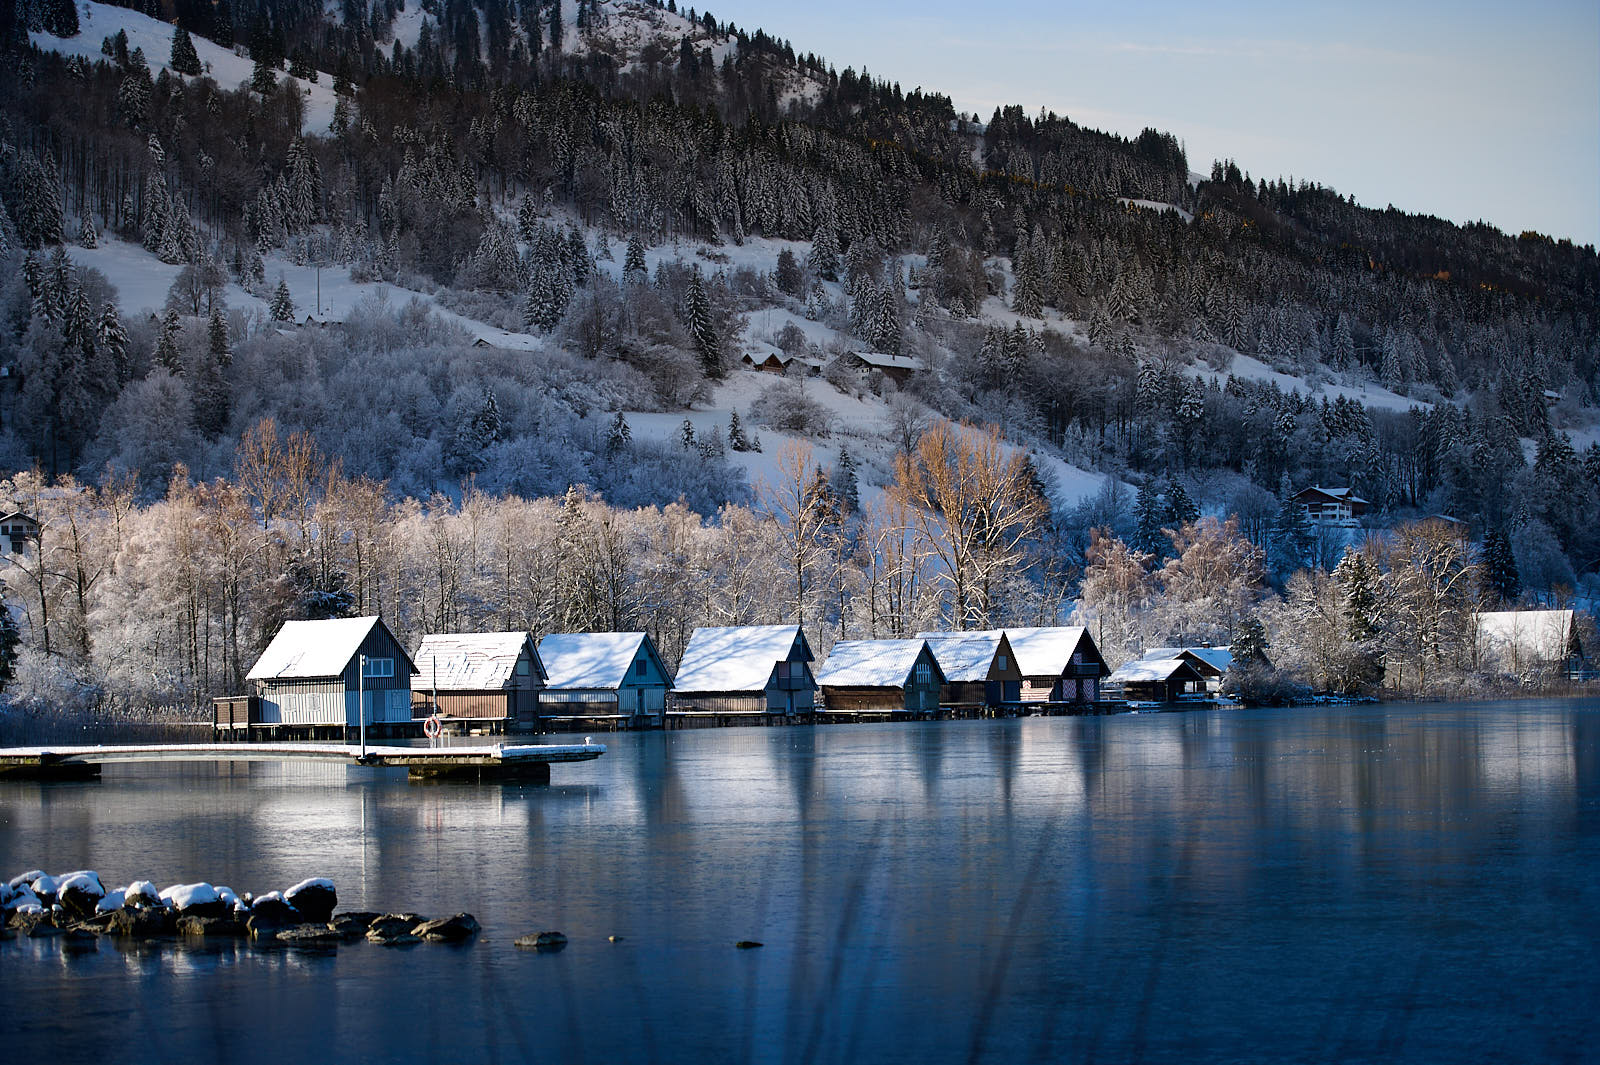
(980, 669)
(1158, 680)
(1059, 664)
(312, 671)
(17, 531)
(1529, 641)
(770, 362)
(881, 676)
(1330, 506)
(1210, 662)
(597, 675)
(748, 669)
(897, 368)
(488, 677)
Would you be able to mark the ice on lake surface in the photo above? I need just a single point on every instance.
(1371, 883)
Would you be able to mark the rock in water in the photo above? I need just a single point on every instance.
(352, 925)
(315, 899)
(141, 893)
(35, 924)
(393, 928)
(196, 900)
(545, 941)
(80, 894)
(144, 922)
(310, 935)
(272, 910)
(748, 944)
(209, 926)
(24, 879)
(457, 929)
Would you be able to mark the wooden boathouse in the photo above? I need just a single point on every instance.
(980, 668)
(608, 679)
(1060, 664)
(321, 679)
(893, 678)
(479, 680)
(1166, 681)
(758, 671)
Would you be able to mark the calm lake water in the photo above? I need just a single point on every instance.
(1352, 884)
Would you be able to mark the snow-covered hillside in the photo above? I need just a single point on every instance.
(229, 68)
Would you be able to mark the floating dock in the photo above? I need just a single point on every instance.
(526, 763)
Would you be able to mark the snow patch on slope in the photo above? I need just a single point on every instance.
(1247, 368)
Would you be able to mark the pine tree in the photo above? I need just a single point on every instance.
(1359, 586)
(167, 353)
(1249, 646)
(1501, 584)
(788, 276)
(686, 435)
(845, 485)
(1181, 510)
(633, 266)
(487, 426)
(185, 60)
(824, 260)
(620, 436)
(1147, 535)
(1292, 536)
(88, 237)
(10, 640)
(702, 330)
(282, 306)
(736, 437)
(39, 222)
(886, 332)
(217, 338)
(112, 340)
(262, 79)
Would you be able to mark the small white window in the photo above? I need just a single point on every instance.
(379, 667)
(1003, 662)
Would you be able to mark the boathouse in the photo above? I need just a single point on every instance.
(1158, 680)
(481, 678)
(1059, 664)
(746, 669)
(1524, 642)
(311, 674)
(603, 676)
(1210, 662)
(881, 677)
(980, 669)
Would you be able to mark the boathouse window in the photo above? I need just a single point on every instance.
(1002, 661)
(924, 673)
(783, 671)
(638, 668)
(379, 667)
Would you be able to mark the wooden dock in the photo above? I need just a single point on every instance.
(524, 763)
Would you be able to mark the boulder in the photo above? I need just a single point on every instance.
(24, 879)
(101, 924)
(390, 928)
(23, 898)
(315, 899)
(80, 894)
(310, 935)
(351, 925)
(141, 893)
(196, 900)
(144, 922)
(34, 924)
(111, 901)
(549, 942)
(272, 910)
(45, 888)
(457, 929)
(190, 925)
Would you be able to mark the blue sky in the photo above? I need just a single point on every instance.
(1467, 110)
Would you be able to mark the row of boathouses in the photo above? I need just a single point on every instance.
(321, 677)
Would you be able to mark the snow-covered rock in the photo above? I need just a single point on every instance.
(24, 879)
(314, 899)
(80, 893)
(141, 893)
(197, 900)
(111, 901)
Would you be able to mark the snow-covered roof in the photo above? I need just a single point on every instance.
(305, 649)
(589, 659)
(1344, 495)
(885, 361)
(1150, 670)
(735, 659)
(1218, 658)
(472, 661)
(871, 663)
(1542, 635)
(1043, 651)
(965, 656)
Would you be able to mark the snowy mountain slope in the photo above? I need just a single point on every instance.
(99, 21)
(1248, 368)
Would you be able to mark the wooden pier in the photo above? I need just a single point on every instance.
(525, 763)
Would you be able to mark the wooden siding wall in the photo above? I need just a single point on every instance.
(725, 702)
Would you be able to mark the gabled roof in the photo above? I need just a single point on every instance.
(966, 656)
(1150, 670)
(592, 659)
(1217, 658)
(1043, 652)
(736, 659)
(1343, 495)
(473, 661)
(1539, 634)
(17, 515)
(884, 361)
(873, 663)
(304, 650)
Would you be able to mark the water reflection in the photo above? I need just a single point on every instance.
(1411, 883)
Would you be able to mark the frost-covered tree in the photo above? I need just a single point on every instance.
(167, 354)
(619, 436)
(633, 266)
(702, 329)
(1500, 581)
(282, 306)
(112, 341)
(824, 259)
(736, 437)
(185, 60)
(88, 236)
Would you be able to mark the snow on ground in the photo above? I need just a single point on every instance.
(407, 25)
(99, 21)
(1247, 368)
(1156, 205)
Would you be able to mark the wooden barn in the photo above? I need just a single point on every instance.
(1158, 680)
(1059, 664)
(881, 677)
(489, 678)
(980, 669)
(310, 675)
(746, 669)
(600, 676)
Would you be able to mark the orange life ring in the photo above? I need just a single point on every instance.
(432, 727)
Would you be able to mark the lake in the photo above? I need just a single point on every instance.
(1374, 883)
